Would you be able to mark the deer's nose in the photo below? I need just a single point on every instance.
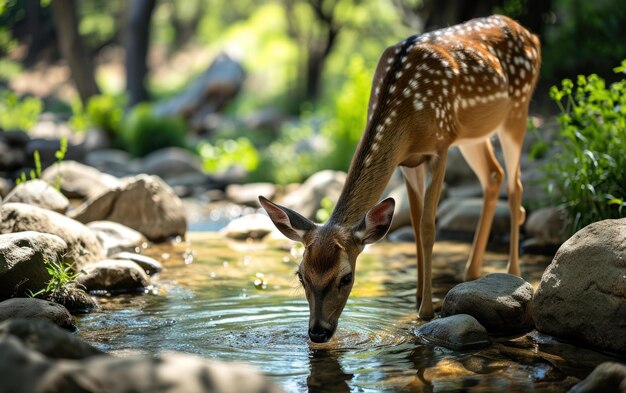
(319, 335)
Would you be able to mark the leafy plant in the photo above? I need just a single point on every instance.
(16, 113)
(61, 275)
(144, 133)
(103, 111)
(223, 153)
(587, 175)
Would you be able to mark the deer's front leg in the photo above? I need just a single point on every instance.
(436, 167)
(414, 181)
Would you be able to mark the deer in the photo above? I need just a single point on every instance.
(457, 86)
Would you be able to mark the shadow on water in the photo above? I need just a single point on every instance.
(240, 301)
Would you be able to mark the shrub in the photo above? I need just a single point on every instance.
(588, 174)
(15, 113)
(224, 153)
(144, 133)
(103, 111)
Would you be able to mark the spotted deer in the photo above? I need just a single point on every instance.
(456, 86)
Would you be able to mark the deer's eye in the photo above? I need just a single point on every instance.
(346, 280)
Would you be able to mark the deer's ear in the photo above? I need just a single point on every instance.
(376, 222)
(290, 223)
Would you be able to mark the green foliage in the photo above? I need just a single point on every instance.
(224, 153)
(349, 113)
(325, 211)
(103, 111)
(588, 175)
(144, 133)
(16, 113)
(61, 275)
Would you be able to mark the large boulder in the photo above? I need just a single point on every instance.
(547, 225)
(39, 193)
(31, 308)
(607, 377)
(114, 275)
(500, 302)
(143, 203)
(83, 245)
(22, 261)
(582, 294)
(48, 339)
(170, 372)
(78, 180)
(458, 332)
(307, 198)
(116, 237)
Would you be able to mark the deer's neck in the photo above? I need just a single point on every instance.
(370, 171)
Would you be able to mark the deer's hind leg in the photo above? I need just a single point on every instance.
(482, 160)
(512, 137)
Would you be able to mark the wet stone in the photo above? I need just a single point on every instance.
(500, 302)
(149, 265)
(607, 377)
(31, 308)
(458, 332)
(114, 276)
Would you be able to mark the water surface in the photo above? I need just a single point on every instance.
(241, 301)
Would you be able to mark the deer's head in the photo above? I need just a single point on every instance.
(328, 266)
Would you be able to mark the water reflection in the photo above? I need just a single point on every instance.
(327, 375)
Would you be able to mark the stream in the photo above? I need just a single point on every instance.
(240, 301)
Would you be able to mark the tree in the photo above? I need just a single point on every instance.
(72, 49)
(136, 43)
(315, 40)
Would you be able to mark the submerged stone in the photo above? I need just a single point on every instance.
(458, 332)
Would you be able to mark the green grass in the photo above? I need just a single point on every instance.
(61, 275)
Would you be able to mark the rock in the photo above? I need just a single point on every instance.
(48, 339)
(459, 332)
(11, 158)
(78, 180)
(402, 211)
(248, 194)
(459, 217)
(118, 163)
(96, 139)
(114, 275)
(16, 138)
(22, 257)
(47, 149)
(116, 237)
(457, 170)
(547, 225)
(500, 302)
(607, 377)
(143, 203)
(74, 299)
(169, 372)
(83, 245)
(149, 265)
(39, 193)
(253, 226)
(582, 294)
(307, 199)
(171, 162)
(6, 186)
(31, 308)
(404, 234)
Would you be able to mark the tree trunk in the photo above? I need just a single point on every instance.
(72, 49)
(136, 43)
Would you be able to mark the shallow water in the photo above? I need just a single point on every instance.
(241, 301)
